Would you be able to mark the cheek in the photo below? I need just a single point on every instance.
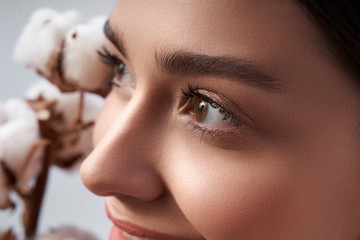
(239, 195)
(227, 195)
(241, 208)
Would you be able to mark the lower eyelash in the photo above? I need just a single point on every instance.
(208, 131)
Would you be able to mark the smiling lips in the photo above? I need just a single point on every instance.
(128, 231)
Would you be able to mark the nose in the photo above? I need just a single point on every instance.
(124, 162)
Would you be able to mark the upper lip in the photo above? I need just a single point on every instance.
(137, 231)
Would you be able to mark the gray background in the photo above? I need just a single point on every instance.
(67, 201)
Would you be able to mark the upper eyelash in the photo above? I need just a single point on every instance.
(192, 92)
(107, 58)
(112, 60)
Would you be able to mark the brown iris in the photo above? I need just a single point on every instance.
(119, 70)
(200, 109)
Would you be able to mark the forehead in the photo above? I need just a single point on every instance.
(224, 22)
(273, 30)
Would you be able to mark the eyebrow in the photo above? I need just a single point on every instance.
(114, 37)
(190, 64)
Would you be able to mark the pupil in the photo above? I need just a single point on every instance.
(201, 106)
(200, 109)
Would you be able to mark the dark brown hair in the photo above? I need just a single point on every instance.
(340, 22)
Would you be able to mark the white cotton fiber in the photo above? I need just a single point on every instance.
(43, 34)
(18, 134)
(69, 19)
(16, 109)
(83, 143)
(81, 63)
(67, 104)
(43, 88)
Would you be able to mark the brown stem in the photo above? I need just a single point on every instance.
(33, 150)
(33, 203)
(76, 128)
(78, 119)
(8, 235)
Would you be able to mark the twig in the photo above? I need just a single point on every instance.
(33, 203)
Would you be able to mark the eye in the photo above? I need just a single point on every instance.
(122, 75)
(209, 113)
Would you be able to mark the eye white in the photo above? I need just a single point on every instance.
(213, 117)
(126, 77)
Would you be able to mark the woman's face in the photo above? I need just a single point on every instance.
(230, 121)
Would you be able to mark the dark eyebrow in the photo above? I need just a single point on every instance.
(189, 64)
(186, 64)
(114, 38)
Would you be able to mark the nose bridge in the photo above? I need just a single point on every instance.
(124, 161)
(133, 122)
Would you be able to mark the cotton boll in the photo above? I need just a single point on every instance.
(43, 34)
(67, 105)
(69, 19)
(98, 22)
(18, 109)
(92, 106)
(38, 40)
(17, 137)
(80, 143)
(39, 18)
(44, 88)
(18, 134)
(81, 63)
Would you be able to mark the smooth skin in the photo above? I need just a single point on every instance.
(289, 170)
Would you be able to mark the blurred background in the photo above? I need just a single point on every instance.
(67, 201)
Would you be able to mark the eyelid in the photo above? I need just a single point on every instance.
(229, 105)
(113, 60)
(114, 53)
(108, 58)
